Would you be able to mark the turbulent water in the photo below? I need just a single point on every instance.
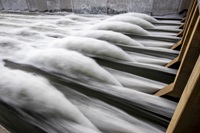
(68, 73)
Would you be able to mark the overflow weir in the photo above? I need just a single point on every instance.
(81, 68)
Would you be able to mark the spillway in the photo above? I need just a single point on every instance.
(72, 73)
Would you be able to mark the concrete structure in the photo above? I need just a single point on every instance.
(153, 7)
(3, 130)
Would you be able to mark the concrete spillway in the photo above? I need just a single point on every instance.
(154, 7)
(64, 72)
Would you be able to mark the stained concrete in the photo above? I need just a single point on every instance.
(154, 7)
(42, 5)
(117, 6)
(165, 7)
(22, 5)
(32, 5)
(6, 4)
(142, 6)
(3, 130)
(53, 5)
(90, 6)
(1, 6)
(66, 5)
(13, 4)
(184, 4)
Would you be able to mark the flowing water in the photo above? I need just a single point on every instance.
(69, 73)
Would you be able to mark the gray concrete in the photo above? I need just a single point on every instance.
(22, 5)
(90, 6)
(3, 130)
(1, 6)
(184, 4)
(164, 7)
(6, 4)
(199, 5)
(53, 5)
(66, 5)
(42, 5)
(32, 5)
(154, 7)
(117, 6)
(142, 6)
(13, 4)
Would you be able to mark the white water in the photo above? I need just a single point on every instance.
(35, 94)
(69, 63)
(133, 20)
(143, 16)
(110, 36)
(120, 27)
(92, 47)
(46, 41)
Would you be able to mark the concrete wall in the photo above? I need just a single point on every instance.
(154, 7)
(165, 6)
(90, 6)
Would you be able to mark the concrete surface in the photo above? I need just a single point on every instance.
(53, 5)
(154, 7)
(3, 130)
(1, 6)
(90, 6)
(161, 7)
(32, 5)
(66, 5)
(6, 5)
(42, 5)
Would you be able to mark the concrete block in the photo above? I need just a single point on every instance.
(32, 5)
(6, 4)
(90, 6)
(1, 6)
(165, 7)
(14, 5)
(3, 130)
(184, 4)
(22, 5)
(142, 6)
(117, 6)
(53, 5)
(66, 5)
(42, 5)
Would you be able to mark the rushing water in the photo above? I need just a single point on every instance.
(72, 73)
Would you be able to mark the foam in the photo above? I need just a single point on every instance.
(110, 36)
(133, 20)
(92, 46)
(69, 63)
(120, 27)
(35, 94)
(11, 46)
(25, 32)
(65, 21)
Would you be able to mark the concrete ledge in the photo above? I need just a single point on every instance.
(3, 130)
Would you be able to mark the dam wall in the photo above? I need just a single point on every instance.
(152, 7)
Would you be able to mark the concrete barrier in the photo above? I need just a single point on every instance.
(66, 5)
(53, 5)
(161, 7)
(42, 5)
(90, 6)
(6, 5)
(32, 5)
(142, 6)
(1, 6)
(154, 7)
